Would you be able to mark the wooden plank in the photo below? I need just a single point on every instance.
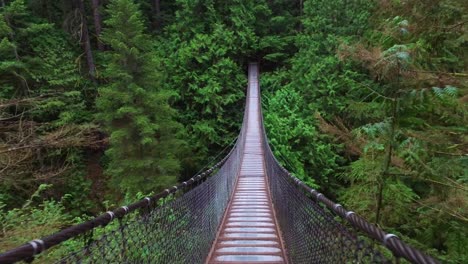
(249, 232)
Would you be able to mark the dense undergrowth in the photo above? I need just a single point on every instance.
(101, 101)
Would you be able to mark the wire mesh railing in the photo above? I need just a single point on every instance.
(313, 232)
(310, 233)
(178, 230)
(178, 225)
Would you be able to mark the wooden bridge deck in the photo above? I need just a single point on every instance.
(249, 232)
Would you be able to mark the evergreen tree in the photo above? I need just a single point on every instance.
(134, 108)
(43, 114)
(363, 99)
(411, 150)
(206, 50)
(319, 83)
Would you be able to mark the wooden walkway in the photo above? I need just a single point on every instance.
(249, 233)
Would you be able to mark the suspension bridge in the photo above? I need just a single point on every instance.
(247, 208)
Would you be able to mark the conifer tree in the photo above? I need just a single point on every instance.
(42, 106)
(134, 108)
(205, 51)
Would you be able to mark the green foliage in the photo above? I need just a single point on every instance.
(134, 106)
(293, 133)
(204, 51)
(31, 221)
(317, 84)
(43, 107)
(388, 89)
(362, 99)
(413, 143)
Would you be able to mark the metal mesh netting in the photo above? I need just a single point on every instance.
(180, 229)
(182, 225)
(310, 233)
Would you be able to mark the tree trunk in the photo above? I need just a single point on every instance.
(47, 11)
(391, 144)
(156, 5)
(301, 11)
(387, 162)
(85, 41)
(97, 23)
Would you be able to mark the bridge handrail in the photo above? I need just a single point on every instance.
(399, 248)
(29, 250)
(36, 246)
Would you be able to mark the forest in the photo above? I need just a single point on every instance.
(103, 102)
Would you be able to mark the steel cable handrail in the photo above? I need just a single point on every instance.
(182, 230)
(399, 248)
(221, 175)
(34, 247)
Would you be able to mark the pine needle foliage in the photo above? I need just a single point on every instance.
(134, 106)
(365, 100)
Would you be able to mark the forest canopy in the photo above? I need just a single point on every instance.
(105, 101)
